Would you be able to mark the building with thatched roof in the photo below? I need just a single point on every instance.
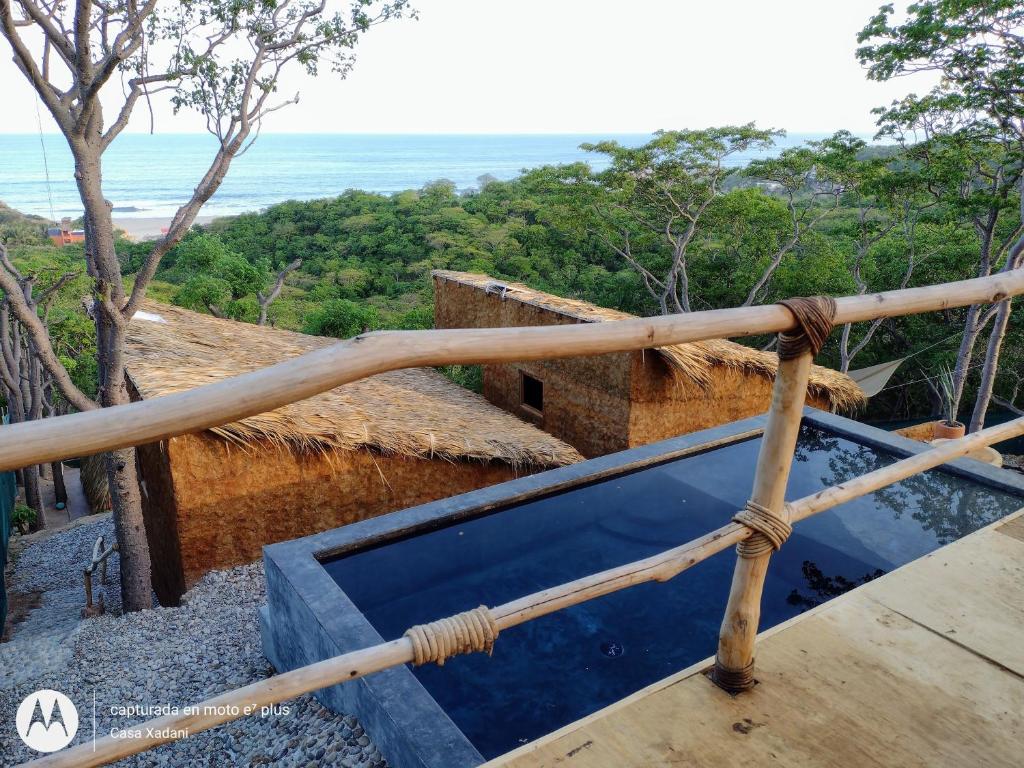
(213, 499)
(612, 402)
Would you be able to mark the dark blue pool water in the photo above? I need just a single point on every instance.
(557, 669)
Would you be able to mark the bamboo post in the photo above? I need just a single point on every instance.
(234, 704)
(735, 659)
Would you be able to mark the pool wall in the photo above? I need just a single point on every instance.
(308, 617)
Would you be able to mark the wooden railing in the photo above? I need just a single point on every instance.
(230, 400)
(83, 434)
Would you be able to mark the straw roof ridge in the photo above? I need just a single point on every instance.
(692, 361)
(413, 412)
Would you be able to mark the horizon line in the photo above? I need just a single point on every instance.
(590, 132)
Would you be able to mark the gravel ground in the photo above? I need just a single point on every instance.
(42, 644)
(165, 656)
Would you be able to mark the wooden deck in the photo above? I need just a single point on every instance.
(923, 667)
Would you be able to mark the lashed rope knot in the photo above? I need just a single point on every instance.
(814, 316)
(733, 680)
(466, 632)
(770, 530)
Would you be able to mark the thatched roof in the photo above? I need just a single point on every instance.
(692, 361)
(415, 412)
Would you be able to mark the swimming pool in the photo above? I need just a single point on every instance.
(494, 545)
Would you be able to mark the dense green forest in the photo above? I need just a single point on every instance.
(834, 217)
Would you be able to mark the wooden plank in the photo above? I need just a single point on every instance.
(1013, 527)
(855, 684)
(971, 592)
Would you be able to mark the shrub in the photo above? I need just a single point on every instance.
(22, 517)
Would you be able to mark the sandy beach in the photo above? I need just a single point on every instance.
(148, 228)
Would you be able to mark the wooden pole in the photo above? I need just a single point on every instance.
(105, 429)
(734, 662)
(234, 704)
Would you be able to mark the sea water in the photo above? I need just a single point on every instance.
(151, 175)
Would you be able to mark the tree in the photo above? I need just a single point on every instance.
(899, 256)
(268, 298)
(1012, 397)
(977, 47)
(658, 199)
(340, 318)
(216, 279)
(887, 197)
(811, 181)
(26, 385)
(222, 58)
(656, 196)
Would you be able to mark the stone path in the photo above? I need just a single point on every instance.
(76, 507)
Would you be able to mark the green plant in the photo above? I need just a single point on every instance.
(22, 517)
(470, 377)
(947, 388)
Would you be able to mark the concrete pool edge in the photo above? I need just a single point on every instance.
(309, 617)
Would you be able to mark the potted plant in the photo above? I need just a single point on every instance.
(948, 428)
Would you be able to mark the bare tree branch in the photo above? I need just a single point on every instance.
(13, 287)
(266, 300)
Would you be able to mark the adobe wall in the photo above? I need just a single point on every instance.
(213, 504)
(586, 400)
(160, 515)
(664, 406)
(605, 403)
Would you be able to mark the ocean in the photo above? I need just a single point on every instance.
(150, 175)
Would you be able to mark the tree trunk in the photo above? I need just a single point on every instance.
(15, 415)
(60, 492)
(35, 388)
(991, 367)
(965, 354)
(125, 498)
(34, 498)
(1014, 260)
(265, 300)
(844, 349)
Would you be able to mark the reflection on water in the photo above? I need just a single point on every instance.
(941, 503)
(559, 668)
(822, 588)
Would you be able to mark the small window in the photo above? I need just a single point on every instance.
(533, 393)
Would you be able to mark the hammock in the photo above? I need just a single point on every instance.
(873, 379)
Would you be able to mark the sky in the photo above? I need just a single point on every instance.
(574, 66)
